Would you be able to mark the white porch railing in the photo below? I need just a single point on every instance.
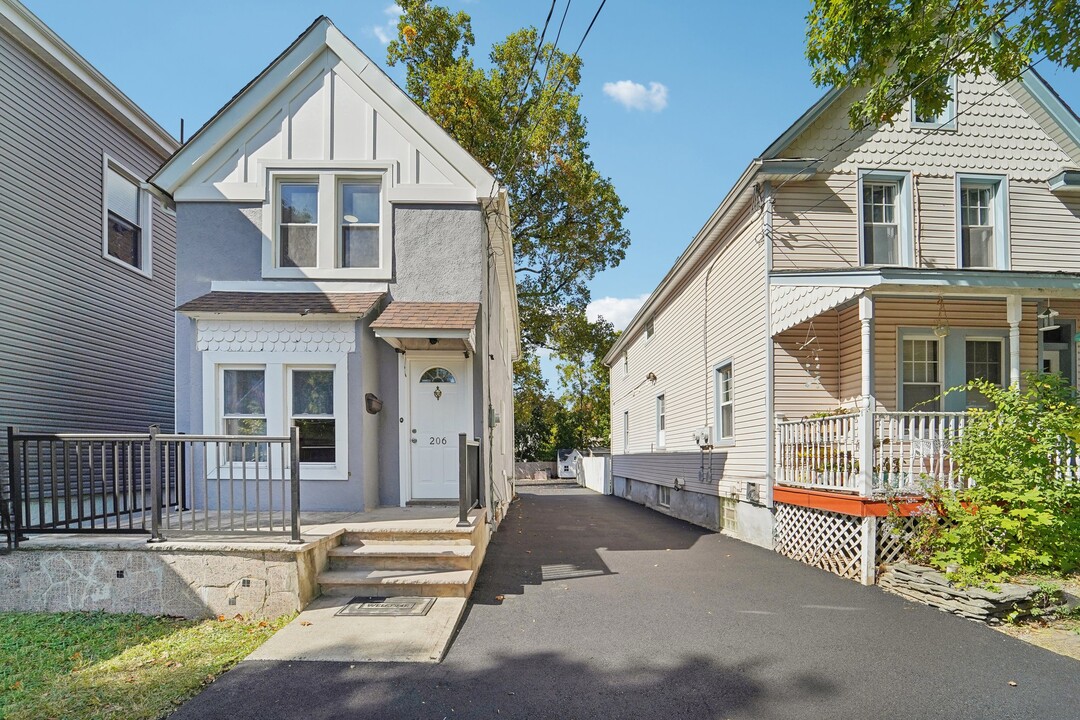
(903, 450)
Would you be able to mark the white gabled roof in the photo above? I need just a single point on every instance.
(29, 30)
(265, 88)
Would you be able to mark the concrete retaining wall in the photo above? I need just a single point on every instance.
(193, 580)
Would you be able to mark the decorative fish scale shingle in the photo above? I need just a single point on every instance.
(993, 134)
(337, 336)
(795, 304)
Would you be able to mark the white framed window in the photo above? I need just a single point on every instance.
(328, 223)
(126, 218)
(663, 496)
(311, 404)
(944, 120)
(983, 360)
(661, 422)
(626, 431)
(265, 394)
(885, 218)
(982, 222)
(921, 373)
(650, 329)
(725, 403)
(625, 364)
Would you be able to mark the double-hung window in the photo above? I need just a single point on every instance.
(921, 374)
(328, 224)
(126, 238)
(626, 431)
(981, 222)
(313, 413)
(983, 360)
(884, 203)
(661, 422)
(243, 410)
(725, 403)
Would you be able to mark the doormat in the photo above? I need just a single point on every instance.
(387, 607)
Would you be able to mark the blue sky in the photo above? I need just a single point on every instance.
(729, 78)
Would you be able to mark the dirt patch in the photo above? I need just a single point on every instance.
(1059, 634)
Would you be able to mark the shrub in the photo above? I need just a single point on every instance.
(1021, 511)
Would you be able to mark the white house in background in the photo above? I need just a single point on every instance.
(855, 278)
(345, 266)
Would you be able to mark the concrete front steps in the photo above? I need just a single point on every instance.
(430, 558)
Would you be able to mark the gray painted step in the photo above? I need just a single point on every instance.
(402, 556)
(391, 583)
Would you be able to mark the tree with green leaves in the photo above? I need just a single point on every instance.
(900, 49)
(520, 117)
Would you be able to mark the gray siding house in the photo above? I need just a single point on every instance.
(343, 266)
(86, 249)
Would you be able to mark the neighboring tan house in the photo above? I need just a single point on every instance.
(87, 251)
(852, 276)
(345, 266)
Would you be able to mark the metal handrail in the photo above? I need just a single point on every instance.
(468, 482)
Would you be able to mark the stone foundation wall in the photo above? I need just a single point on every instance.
(929, 587)
(169, 579)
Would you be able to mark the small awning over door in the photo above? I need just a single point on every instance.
(428, 325)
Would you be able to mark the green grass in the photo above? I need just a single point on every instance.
(94, 665)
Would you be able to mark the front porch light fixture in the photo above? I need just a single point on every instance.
(1048, 319)
(941, 327)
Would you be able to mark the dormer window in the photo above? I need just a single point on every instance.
(328, 225)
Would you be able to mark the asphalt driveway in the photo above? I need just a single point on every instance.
(594, 607)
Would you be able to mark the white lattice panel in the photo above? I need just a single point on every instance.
(892, 537)
(826, 540)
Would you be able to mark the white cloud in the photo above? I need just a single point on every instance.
(635, 96)
(387, 31)
(617, 311)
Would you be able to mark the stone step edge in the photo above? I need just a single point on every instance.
(362, 578)
(391, 550)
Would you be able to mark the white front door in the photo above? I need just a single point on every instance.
(440, 410)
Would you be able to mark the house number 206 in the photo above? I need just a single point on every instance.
(437, 441)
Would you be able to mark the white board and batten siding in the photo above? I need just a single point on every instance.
(87, 343)
(685, 374)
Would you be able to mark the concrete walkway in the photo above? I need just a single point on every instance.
(593, 607)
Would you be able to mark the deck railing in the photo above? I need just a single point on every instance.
(869, 453)
(468, 478)
(153, 483)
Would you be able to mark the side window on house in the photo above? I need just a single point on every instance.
(663, 496)
(127, 209)
(313, 413)
(920, 374)
(661, 421)
(359, 225)
(625, 364)
(625, 431)
(981, 220)
(881, 228)
(982, 361)
(725, 403)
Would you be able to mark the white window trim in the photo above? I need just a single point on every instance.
(146, 215)
(650, 329)
(949, 111)
(1000, 183)
(626, 432)
(330, 178)
(277, 367)
(904, 214)
(662, 492)
(718, 439)
(626, 364)
(290, 414)
(917, 334)
(661, 421)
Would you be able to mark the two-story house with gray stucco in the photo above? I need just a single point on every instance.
(345, 267)
(86, 247)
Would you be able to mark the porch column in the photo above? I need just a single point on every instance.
(866, 400)
(1014, 310)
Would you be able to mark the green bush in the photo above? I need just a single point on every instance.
(1021, 512)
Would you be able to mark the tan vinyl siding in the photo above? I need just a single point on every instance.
(815, 225)
(88, 344)
(850, 330)
(676, 355)
(1044, 229)
(806, 363)
(935, 205)
(891, 314)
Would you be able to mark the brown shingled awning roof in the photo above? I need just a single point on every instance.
(284, 303)
(414, 325)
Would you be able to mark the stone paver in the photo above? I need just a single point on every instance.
(593, 607)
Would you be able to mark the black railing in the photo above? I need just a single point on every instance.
(468, 478)
(153, 483)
